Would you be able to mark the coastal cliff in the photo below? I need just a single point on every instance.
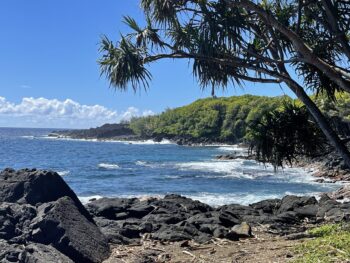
(105, 132)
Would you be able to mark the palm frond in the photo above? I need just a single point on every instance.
(123, 64)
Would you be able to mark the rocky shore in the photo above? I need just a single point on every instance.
(105, 132)
(122, 132)
(42, 220)
(327, 167)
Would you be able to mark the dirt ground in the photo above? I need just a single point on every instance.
(263, 248)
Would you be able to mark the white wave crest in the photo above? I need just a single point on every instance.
(87, 199)
(216, 199)
(151, 165)
(28, 137)
(148, 142)
(63, 173)
(234, 148)
(108, 166)
(65, 138)
(225, 168)
(141, 163)
(247, 169)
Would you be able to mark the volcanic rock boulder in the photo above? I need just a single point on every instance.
(15, 220)
(342, 193)
(32, 186)
(47, 224)
(60, 224)
(241, 230)
(110, 207)
(177, 218)
(31, 253)
(291, 203)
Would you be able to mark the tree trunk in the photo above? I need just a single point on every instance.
(322, 122)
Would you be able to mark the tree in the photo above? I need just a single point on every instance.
(282, 135)
(233, 41)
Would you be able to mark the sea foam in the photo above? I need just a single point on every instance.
(148, 142)
(63, 173)
(108, 166)
(86, 199)
(246, 169)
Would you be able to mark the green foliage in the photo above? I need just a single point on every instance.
(283, 134)
(341, 108)
(229, 43)
(330, 245)
(123, 64)
(235, 41)
(220, 119)
(278, 129)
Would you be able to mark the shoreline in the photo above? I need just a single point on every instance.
(314, 168)
(47, 211)
(326, 175)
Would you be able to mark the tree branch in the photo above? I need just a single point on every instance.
(334, 28)
(278, 78)
(297, 42)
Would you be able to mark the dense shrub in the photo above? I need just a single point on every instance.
(277, 128)
(282, 135)
(219, 119)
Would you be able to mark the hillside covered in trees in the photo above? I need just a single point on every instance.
(228, 119)
(219, 119)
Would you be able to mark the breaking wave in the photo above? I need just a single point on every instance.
(148, 142)
(108, 166)
(246, 169)
(63, 173)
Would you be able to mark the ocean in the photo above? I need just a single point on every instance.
(137, 169)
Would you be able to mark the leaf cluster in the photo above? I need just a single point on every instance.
(282, 135)
(219, 119)
(232, 41)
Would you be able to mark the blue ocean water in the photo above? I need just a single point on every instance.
(125, 169)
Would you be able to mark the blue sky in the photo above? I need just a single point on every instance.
(48, 50)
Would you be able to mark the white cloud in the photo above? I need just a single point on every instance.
(53, 113)
(134, 112)
(148, 113)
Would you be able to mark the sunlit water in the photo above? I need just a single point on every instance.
(125, 169)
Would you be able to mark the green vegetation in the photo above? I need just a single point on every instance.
(230, 42)
(278, 129)
(337, 112)
(218, 119)
(339, 109)
(284, 134)
(331, 244)
(230, 119)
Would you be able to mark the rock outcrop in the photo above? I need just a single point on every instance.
(32, 252)
(31, 186)
(176, 218)
(42, 220)
(116, 131)
(342, 194)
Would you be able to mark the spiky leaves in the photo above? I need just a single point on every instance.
(162, 11)
(124, 64)
(143, 37)
(284, 134)
(241, 40)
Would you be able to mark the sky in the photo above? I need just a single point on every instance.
(49, 76)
